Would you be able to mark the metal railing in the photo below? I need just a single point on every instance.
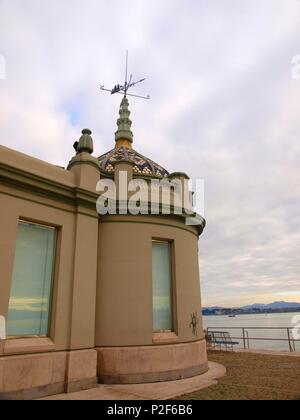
(246, 339)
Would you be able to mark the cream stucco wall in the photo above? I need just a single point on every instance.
(38, 192)
(124, 314)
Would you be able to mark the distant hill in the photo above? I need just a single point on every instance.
(274, 307)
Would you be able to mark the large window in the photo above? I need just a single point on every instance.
(162, 286)
(29, 305)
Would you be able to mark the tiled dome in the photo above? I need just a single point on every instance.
(142, 165)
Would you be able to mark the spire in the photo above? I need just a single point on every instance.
(123, 135)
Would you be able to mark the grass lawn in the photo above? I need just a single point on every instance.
(253, 377)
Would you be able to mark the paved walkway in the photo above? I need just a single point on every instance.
(156, 391)
(268, 352)
(253, 376)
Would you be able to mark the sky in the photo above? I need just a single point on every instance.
(225, 107)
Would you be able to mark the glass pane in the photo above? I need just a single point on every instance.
(161, 274)
(29, 304)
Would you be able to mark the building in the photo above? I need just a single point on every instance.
(91, 297)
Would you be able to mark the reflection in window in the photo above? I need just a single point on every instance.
(29, 304)
(162, 287)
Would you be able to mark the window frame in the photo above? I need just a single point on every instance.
(170, 243)
(56, 245)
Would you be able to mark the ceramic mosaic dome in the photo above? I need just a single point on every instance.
(124, 151)
(142, 165)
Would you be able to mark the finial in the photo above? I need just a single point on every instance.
(86, 131)
(124, 135)
(85, 143)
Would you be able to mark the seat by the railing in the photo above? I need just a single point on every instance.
(219, 339)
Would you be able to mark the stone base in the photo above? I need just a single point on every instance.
(34, 393)
(134, 365)
(42, 374)
(39, 375)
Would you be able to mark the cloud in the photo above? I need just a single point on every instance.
(224, 108)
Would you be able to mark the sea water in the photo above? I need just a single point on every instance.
(274, 327)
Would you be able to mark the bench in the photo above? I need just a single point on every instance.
(220, 338)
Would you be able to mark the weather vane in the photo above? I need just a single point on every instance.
(123, 89)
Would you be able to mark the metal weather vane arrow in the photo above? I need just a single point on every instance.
(123, 89)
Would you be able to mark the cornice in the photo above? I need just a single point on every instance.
(39, 185)
(174, 213)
